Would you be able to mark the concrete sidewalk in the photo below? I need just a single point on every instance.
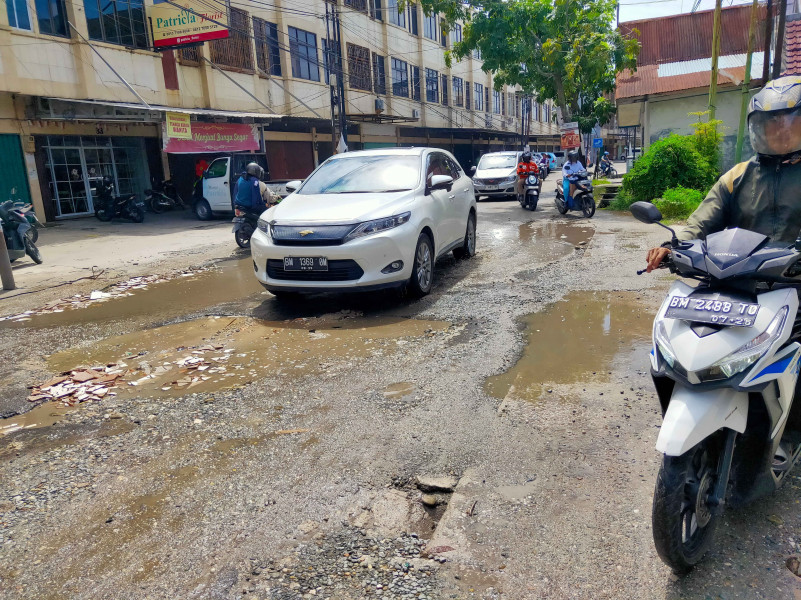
(80, 247)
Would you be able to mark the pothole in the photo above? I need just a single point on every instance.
(793, 564)
(573, 339)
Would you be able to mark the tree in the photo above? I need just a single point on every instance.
(561, 50)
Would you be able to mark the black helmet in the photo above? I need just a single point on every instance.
(255, 170)
(526, 156)
(774, 117)
(572, 156)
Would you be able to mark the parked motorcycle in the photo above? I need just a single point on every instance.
(582, 198)
(531, 192)
(110, 206)
(725, 363)
(17, 233)
(27, 210)
(163, 196)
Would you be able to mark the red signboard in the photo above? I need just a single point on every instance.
(215, 137)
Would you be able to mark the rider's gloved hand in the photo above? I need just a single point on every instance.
(655, 257)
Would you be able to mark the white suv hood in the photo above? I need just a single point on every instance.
(339, 208)
(495, 173)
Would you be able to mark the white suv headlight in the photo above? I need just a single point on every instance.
(378, 225)
(264, 226)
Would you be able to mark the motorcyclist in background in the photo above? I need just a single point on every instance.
(571, 167)
(605, 163)
(525, 167)
(762, 194)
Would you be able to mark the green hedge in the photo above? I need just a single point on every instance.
(671, 162)
(678, 202)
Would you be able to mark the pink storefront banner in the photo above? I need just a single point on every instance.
(214, 137)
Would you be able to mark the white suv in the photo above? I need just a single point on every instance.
(367, 220)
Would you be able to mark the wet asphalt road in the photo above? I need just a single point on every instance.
(292, 473)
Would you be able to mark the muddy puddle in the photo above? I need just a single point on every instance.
(546, 239)
(572, 339)
(217, 353)
(232, 281)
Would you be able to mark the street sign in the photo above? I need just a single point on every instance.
(597, 143)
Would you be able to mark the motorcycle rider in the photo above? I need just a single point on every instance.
(251, 193)
(525, 167)
(760, 194)
(571, 167)
(605, 164)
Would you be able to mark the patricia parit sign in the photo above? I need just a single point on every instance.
(179, 22)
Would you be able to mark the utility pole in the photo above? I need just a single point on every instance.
(768, 38)
(713, 84)
(343, 125)
(738, 150)
(779, 51)
(329, 44)
(6, 274)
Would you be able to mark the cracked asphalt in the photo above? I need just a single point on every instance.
(523, 377)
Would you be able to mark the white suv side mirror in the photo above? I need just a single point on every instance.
(291, 186)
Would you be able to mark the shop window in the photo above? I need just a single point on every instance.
(445, 90)
(456, 34)
(400, 78)
(393, 16)
(303, 50)
(458, 91)
(411, 19)
(430, 29)
(117, 22)
(235, 51)
(18, 14)
(360, 5)
(268, 57)
(479, 96)
(359, 67)
(379, 74)
(52, 17)
(377, 12)
(416, 83)
(432, 86)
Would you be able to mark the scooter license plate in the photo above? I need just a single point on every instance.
(718, 311)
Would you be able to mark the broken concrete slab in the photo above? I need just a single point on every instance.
(445, 483)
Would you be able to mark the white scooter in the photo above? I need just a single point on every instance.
(725, 365)
(531, 192)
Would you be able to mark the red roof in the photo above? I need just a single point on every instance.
(793, 47)
(646, 81)
(688, 36)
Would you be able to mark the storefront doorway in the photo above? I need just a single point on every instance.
(76, 166)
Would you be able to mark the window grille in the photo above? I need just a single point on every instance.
(359, 67)
(268, 57)
(235, 51)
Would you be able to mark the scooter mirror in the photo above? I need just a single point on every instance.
(646, 212)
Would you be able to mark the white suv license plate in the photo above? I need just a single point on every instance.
(305, 263)
(490, 188)
(707, 310)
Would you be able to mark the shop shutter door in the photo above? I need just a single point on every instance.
(290, 160)
(12, 170)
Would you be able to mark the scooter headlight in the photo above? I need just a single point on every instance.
(532, 180)
(663, 344)
(748, 354)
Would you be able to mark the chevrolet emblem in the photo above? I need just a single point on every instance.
(306, 232)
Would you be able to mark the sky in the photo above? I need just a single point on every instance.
(634, 10)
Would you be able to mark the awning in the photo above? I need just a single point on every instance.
(121, 111)
(380, 118)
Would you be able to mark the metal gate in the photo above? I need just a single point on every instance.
(13, 175)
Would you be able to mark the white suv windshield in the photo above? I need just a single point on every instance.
(497, 161)
(371, 174)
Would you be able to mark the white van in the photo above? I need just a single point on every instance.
(561, 157)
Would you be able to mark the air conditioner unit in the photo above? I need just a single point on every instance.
(415, 113)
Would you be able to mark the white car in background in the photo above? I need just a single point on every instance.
(496, 175)
(367, 220)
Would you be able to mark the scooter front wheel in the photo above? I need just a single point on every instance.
(32, 251)
(683, 521)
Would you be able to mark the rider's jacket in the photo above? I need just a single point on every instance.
(524, 169)
(570, 168)
(761, 194)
